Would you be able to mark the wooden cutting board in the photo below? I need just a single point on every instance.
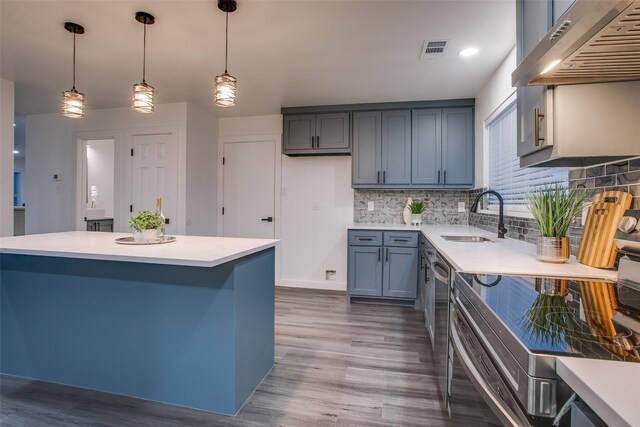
(597, 248)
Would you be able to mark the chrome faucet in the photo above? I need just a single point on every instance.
(474, 208)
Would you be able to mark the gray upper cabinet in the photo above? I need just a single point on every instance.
(426, 142)
(534, 18)
(396, 147)
(316, 134)
(443, 147)
(367, 147)
(457, 147)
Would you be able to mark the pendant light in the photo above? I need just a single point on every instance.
(225, 90)
(143, 93)
(72, 100)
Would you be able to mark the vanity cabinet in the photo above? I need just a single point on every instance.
(104, 225)
(383, 265)
(316, 134)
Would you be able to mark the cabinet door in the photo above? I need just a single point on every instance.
(457, 147)
(367, 153)
(426, 142)
(365, 271)
(534, 19)
(298, 131)
(400, 272)
(396, 147)
(332, 131)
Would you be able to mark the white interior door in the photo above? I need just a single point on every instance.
(154, 174)
(249, 189)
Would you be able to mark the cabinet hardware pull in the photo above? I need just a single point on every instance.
(365, 239)
(313, 142)
(378, 180)
(401, 240)
(536, 128)
(445, 178)
(438, 177)
(384, 177)
(379, 250)
(317, 141)
(386, 255)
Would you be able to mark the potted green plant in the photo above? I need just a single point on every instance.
(554, 209)
(145, 225)
(417, 209)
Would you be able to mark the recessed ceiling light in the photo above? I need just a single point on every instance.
(469, 51)
(16, 152)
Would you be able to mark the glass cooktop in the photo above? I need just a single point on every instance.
(581, 318)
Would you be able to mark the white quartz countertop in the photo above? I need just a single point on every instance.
(500, 256)
(197, 251)
(608, 387)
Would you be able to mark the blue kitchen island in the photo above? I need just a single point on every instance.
(188, 323)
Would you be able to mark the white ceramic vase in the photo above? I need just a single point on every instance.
(145, 236)
(406, 214)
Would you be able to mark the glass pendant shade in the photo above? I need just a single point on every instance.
(225, 91)
(143, 98)
(73, 104)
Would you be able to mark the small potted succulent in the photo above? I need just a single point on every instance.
(554, 209)
(145, 225)
(417, 209)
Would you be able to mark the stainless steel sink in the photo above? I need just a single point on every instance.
(475, 239)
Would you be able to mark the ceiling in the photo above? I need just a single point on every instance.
(283, 53)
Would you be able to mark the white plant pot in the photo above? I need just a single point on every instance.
(416, 219)
(145, 236)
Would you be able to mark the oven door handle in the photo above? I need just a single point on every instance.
(504, 414)
(440, 277)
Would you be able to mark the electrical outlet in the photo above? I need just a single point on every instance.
(370, 206)
(460, 206)
(330, 275)
(314, 206)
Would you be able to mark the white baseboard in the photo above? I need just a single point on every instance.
(306, 284)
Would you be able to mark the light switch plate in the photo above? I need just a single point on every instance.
(370, 206)
(460, 206)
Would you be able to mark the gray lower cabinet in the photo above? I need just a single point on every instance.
(388, 270)
(316, 134)
(104, 225)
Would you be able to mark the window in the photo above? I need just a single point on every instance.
(505, 175)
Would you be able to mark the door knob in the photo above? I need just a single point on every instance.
(267, 219)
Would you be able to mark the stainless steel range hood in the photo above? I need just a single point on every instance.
(595, 41)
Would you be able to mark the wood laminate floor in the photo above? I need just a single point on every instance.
(336, 365)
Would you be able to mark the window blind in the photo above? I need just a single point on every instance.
(505, 174)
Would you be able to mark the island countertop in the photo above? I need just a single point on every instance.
(195, 251)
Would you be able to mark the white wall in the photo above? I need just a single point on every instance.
(6, 157)
(202, 171)
(52, 148)
(494, 92)
(100, 172)
(316, 206)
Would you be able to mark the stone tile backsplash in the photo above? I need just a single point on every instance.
(442, 206)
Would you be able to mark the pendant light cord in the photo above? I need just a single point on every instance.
(74, 62)
(226, 41)
(144, 54)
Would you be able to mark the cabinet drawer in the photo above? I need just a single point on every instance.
(408, 239)
(365, 238)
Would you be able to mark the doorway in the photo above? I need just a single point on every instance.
(96, 188)
(249, 189)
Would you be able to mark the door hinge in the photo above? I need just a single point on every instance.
(132, 152)
(130, 208)
(222, 211)
(223, 160)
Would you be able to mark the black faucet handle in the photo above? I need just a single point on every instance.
(502, 230)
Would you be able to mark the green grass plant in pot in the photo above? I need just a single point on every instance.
(554, 209)
(145, 225)
(417, 209)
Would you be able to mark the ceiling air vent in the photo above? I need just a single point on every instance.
(432, 49)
